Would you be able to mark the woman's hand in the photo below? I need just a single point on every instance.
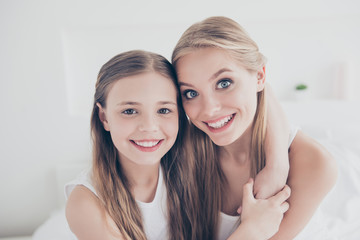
(261, 218)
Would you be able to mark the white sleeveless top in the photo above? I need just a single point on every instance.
(154, 214)
(228, 223)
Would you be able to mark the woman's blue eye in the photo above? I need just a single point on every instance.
(225, 83)
(129, 111)
(164, 111)
(189, 94)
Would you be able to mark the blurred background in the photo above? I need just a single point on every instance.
(51, 52)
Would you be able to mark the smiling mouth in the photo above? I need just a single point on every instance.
(218, 124)
(147, 145)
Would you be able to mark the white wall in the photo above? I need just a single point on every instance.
(51, 51)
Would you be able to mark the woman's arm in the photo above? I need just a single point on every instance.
(87, 218)
(312, 174)
(260, 219)
(273, 177)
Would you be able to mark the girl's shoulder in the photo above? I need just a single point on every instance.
(87, 217)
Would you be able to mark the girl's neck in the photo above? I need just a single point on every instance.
(142, 180)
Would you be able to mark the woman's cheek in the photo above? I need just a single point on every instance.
(190, 110)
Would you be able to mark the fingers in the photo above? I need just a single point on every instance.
(283, 195)
(256, 189)
(248, 190)
(239, 210)
(284, 207)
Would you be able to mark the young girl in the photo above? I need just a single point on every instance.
(221, 74)
(142, 183)
(139, 182)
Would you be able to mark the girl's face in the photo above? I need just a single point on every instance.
(141, 115)
(219, 95)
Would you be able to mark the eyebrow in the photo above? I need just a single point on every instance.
(167, 102)
(137, 104)
(215, 75)
(127, 103)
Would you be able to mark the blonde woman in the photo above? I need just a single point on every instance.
(221, 75)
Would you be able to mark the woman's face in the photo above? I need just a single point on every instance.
(219, 95)
(141, 115)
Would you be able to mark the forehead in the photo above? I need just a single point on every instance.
(203, 63)
(149, 86)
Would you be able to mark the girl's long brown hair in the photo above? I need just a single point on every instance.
(178, 164)
(222, 33)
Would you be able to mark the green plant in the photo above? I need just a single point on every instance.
(301, 86)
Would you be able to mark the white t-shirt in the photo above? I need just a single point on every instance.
(227, 223)
(154, 214)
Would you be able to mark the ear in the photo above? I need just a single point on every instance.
(261, 76)
(102, 117)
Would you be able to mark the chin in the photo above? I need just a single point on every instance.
(222, 142)
(149, 162)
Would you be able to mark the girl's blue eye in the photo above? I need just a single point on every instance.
(129, 111)
(164, 111)
(189, 94)
(224, 83)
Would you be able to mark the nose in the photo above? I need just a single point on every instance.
(148, 123)
(211, 105)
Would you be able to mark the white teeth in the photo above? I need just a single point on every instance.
(221, 122)
(147, 143)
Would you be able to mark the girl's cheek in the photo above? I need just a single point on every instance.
(171, 126)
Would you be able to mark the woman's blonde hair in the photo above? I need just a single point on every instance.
(225, 34)
(110, 181)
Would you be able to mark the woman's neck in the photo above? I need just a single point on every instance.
(238, 151)
(235, 164)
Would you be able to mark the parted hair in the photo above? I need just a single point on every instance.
(110, 180)
(225, 34)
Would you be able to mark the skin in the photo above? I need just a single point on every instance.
(215, 86)
(150, 115)
(272, 178)
(255, 211)
(146, 119)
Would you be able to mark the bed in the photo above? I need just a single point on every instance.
(336, 125)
